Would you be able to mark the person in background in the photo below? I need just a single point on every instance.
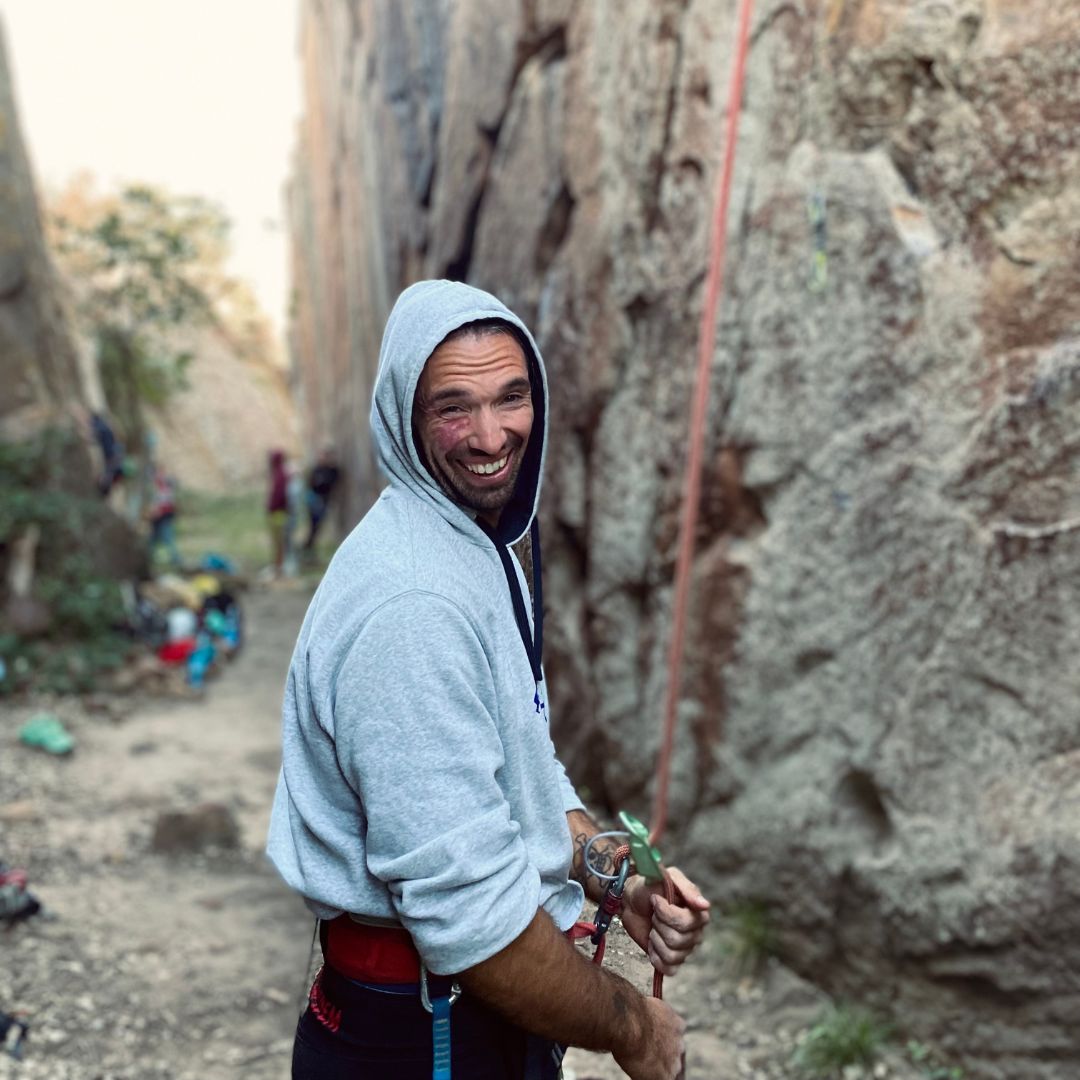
(294, 500)
(322, 480)
(112, 453)
(277, 510)
(161, 514)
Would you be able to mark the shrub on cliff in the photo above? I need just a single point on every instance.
(62, 618)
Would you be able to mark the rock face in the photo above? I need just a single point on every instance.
(42, 382)
(216, 434)
(878, 727)
(39, 370)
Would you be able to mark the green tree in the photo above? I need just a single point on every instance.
(142, 264)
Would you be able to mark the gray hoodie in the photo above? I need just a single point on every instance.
(419, 781)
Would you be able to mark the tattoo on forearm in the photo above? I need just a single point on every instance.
(601, 857)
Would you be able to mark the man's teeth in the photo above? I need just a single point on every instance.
(487, 470)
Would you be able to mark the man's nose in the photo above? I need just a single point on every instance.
(487, 435)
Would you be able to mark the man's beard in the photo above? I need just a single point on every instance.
(481, 500)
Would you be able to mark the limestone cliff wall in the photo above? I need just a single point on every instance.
(44, 378)
(39, 363)
(879, 732)
(215, 434)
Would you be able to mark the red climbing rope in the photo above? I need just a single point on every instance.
(692, 490)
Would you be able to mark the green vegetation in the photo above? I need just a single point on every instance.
(747, 938)
(931, 1068)
(232, 525)
(842, 1036)
(84, 636)
(235, 526)
(146, 263)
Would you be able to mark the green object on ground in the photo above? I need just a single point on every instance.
(46, 732)
(646, 858)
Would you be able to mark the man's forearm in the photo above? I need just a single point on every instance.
(543, 984)
(601, 854)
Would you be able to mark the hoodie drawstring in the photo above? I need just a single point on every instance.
(532, 640)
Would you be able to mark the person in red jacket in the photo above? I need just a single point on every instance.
(162, 516)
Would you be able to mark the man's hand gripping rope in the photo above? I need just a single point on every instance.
(666, 916)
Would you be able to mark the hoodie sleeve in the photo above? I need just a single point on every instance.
(415, 725)
(570, 798)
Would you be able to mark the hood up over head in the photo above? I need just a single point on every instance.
(423, 315)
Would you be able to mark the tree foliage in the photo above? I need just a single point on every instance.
(87, 636)
(142, 265)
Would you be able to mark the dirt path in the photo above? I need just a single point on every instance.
(155, 967)
(190, 967)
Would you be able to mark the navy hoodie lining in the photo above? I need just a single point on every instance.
(532, 640)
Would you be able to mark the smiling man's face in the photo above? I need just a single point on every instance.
(473, 415)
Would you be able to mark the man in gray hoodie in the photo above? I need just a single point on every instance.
(421, 810)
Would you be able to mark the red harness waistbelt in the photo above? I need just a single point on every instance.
(375, 954)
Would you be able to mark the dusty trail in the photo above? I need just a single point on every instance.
(191, 967)
(187, 967)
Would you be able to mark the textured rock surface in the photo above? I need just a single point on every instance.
(39, 370)
(42, 382)
(879, 732)
(216, 433)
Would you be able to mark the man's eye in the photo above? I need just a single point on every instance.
(452, 410)
(515, 398)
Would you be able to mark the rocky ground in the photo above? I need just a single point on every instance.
(162, 963)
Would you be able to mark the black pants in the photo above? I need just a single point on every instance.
(353, 1032)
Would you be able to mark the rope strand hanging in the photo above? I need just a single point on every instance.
(692, 488)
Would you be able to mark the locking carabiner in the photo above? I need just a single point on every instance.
(611, 904)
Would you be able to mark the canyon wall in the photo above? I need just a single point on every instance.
(39, 362)
(879, 736)
(215, 434)
(46, 381)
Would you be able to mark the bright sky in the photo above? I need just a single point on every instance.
(199, 96)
